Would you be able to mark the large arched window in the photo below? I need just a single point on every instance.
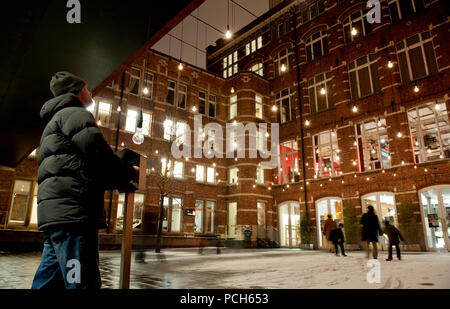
(316, 45)
(283, 62)
(356, 26)
(289, 218)
(435, 210)
(324, 207)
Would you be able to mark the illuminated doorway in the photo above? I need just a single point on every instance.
(324, 207)
(289, 216)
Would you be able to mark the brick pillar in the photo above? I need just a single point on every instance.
(7, 176)
(400, 147)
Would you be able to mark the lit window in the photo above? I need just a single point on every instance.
(288, 163)
(101, 112)
(137, 214)
(135, 77)
(253, 46)
(21, 201)
(233, 106)
(198, 226)
(178, 169)
(172, 214)
(168, 129)
(258, 107)
(204, 217)
(233, 173)
(416, 57)
(430, 131)
(230, 66)
(148, 83)
(373, 144)
(211, 175)
(326, 154)
(200, 173)
(130, 125)
(175, 130)
(258, 69)
(260, 175)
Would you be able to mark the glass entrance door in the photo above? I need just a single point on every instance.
(435, 204)
(385, 209)
(325, 207)
(289, 215)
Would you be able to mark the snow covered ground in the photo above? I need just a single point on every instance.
(254, 269)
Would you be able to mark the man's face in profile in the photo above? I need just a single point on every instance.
(85, 96)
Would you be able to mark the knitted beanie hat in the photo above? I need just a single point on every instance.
(65, 82)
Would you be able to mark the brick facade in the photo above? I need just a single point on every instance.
(403, 179)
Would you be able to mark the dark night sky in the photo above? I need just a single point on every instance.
(214, 13)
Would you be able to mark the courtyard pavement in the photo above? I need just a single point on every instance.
(252, 269)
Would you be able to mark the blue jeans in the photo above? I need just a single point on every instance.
(69, 260)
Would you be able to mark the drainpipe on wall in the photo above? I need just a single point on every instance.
(299, 97)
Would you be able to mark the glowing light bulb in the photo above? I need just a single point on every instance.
(307, 123)
(145, 91)
(194, 109)
(180, 67)
(119, 109)
(283, 68)
(99, 123)
(354, 31)
(437, 107)
(379, 123)
(390, 64)
(323, 91)
(354, 163)
(123, 144)
(399, 134)
(354, 109)
(274, 108)
(232, 90)
(228, 34)
(138, 137)
(416, 89)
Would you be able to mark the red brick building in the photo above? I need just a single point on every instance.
(363, 110)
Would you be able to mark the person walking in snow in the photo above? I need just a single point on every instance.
(337, 237)
(328, 226)
(394, 237)
(371, 231)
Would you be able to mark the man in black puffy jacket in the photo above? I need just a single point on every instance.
(76, 166)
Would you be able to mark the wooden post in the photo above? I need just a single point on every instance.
(127, 240)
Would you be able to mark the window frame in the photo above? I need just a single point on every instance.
(370, 64)
(309, 45)
(316, 86)
(319, 156)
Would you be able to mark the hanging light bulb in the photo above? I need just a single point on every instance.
(232, 89)
(379, 123)
(123, 144)
(354, 163)
(228, 34)
(416, 89)
(399, 134)
(145, 91)
(354, 109)
(323, 91)
(99, 123)
(390, 64)
(437, 107)
(307, 123)
(119, 109)
(138, 137)
(354, 31)
(180, 67)
(274, 108)
(283, 68)
(194, 109)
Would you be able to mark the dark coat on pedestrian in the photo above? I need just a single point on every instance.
(328, 226)
(76, 165)
(371, 227)
(393, 234)
(336, 235)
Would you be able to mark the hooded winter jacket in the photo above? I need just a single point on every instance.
(76, 165)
